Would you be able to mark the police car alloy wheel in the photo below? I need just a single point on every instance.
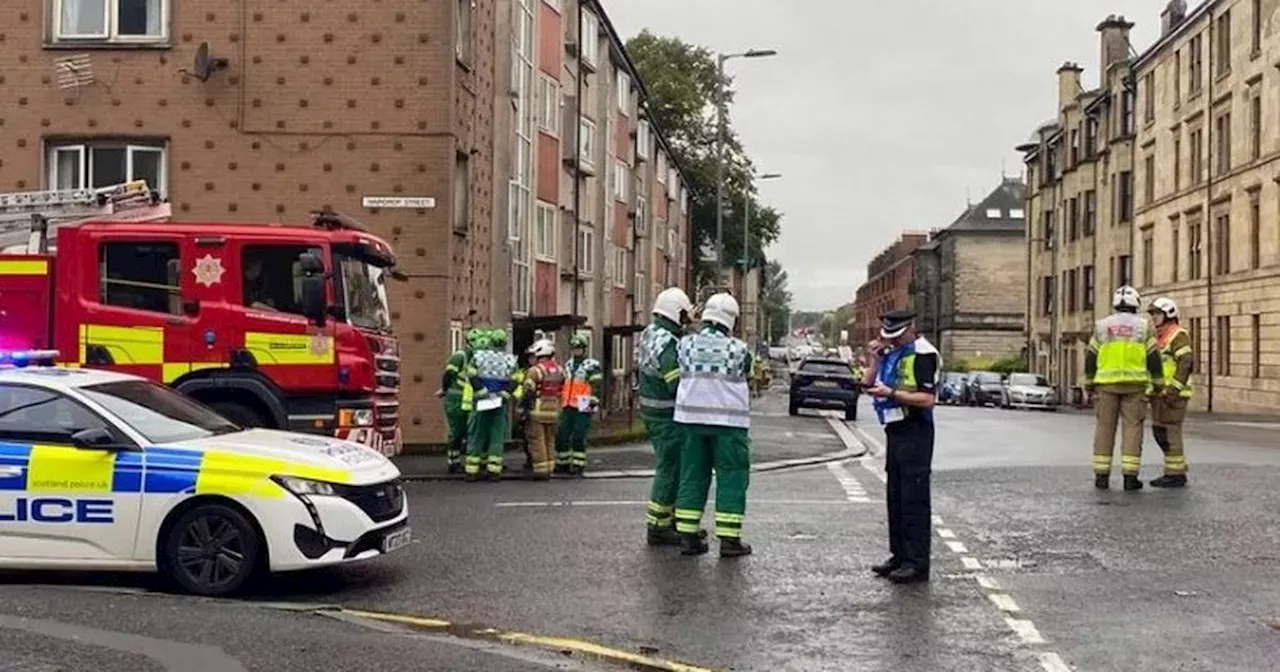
(212, 550)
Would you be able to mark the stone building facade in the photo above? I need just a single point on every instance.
(888, 286)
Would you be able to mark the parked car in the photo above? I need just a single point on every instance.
(1029, 390)
(952, 388)
(824, 383)
(984, 388)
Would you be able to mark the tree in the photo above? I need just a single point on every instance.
(776, 301)
(682, 80)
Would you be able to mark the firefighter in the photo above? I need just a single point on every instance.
(579, 400)
(713, 411)
(458, 398)
(1170, 408)
(486, 439)
(659, 371)
(1122, 366)
(904, 385)
(522, 402)
(544, 384)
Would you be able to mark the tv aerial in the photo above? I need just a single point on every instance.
(206, 64)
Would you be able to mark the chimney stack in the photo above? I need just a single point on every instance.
(1115, 44)
(1068, 83)
(1172, 16)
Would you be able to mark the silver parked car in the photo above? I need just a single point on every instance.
(1029, 390)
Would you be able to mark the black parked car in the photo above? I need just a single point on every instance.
(985, 388)
(824, 383)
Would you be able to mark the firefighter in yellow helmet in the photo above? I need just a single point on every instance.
(1170, 408)
(1122, 366)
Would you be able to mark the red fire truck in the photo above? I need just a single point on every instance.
(283, 327)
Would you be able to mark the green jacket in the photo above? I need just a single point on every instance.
(659, 368)
(456, 379)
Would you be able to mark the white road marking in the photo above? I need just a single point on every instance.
(641, 502)
(1024, 628)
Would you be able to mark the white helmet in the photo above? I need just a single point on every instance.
(722, 309)
(543, 348)
(1126, 297)
(1165, 306)
(671, 302)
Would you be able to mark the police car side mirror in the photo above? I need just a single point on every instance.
(94, 438)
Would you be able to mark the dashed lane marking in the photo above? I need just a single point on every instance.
(1024, 628)
(853, 490)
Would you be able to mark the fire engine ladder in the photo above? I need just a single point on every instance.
(31, 217)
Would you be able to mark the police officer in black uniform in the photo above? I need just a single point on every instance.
(903, 380)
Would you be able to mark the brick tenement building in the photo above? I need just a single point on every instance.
(319, 104)
(888, 286)
(968, 288)
(1190, 171)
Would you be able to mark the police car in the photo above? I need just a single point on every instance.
(107, 471)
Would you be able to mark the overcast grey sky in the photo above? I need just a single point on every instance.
(881, 116)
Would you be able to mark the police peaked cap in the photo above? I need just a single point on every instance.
(894, 323)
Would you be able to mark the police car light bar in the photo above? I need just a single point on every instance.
(21, 358)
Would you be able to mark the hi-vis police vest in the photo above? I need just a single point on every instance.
(1122, 341)
(581, 378)
(547, 378)
(713, 380)
(657, 397)
(1171, 350)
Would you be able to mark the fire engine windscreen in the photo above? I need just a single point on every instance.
(365, 289)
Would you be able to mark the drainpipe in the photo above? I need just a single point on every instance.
(577, 158)
(1208, 204)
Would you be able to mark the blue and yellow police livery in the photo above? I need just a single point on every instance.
(107, 471)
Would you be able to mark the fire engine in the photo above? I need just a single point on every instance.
(280, 327)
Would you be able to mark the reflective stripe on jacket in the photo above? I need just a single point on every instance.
(1169, 357)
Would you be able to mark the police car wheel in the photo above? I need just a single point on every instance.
(212, 550)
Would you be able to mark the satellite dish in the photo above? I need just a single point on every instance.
(205, 63)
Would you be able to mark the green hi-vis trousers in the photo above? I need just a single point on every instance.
(667, 438)
(727, 450)
(486, 440)
(571, 439)
(457, 419)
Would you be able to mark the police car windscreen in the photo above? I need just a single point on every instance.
(159, 414)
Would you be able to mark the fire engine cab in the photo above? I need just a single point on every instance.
(279, 327)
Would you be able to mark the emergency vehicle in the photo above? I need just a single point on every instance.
(102, 470)
(281, 327)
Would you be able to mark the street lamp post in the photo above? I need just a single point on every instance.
(720, 140)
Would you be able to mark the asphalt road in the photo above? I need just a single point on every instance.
(1034, 570)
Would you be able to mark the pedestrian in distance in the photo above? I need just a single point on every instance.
(487, 429)
(659, 369)
(713, 409)
(1122, 367)
(544, 385)
(459, 398)
(903, 380)
(579, 401)
(1169, 409)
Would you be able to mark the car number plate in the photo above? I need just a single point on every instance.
(824, 383)
(397, 540)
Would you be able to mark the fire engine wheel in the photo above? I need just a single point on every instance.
(212, 550)
(241, 415)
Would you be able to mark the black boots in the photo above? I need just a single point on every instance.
(693, 544)
(1170, 481)
(1132, 483)
(662, 536)
(885, 568)
(908, 575)
(1102, 481)
(734, 548)
(696, 544)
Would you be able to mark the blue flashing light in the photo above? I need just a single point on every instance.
(22, 358)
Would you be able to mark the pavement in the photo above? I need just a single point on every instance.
(1033, 570)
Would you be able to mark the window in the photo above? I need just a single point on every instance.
(1255, 230)
(586, 250)
(1070, 280)
(1047, 230)
(37, 415)
(621, 174)
(1195, 167)
(1177, 78)
(158, 413)
(455, 336)
(1149, 178)
(1176, 250)
(1255, 337)
(1223, 38)
(1090, 212)
(590, 39)
(661, 173)
(1124, 270)
(1195, 239)
(99, 164)
(557, 5)
(624, 92)
(142, 275)
(1126, 112)
(1177, 161)
(1124, 196)
(1091, 137)
(545, 232)
(1074, 149)
(1222, 345)
(271, 276)
(461, 193)
(1255, 126)
(464, 45)
(1088, 286)
(1222, 244)
(548, 105)
(1073, 218)
(1195, 64)
(642, 217)
(1196, 339)
(993, 213)
(1222, 133)
(620, 351)
(620, 271)
(644, 141)
(1255, 32)
(1017, 213)
(1046, 294)
(587, 153)
(1149, 96)
(110, 20)
(1148, 257)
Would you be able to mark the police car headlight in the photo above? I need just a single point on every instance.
(303, 486)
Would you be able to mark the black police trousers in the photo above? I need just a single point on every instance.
(908, 466)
